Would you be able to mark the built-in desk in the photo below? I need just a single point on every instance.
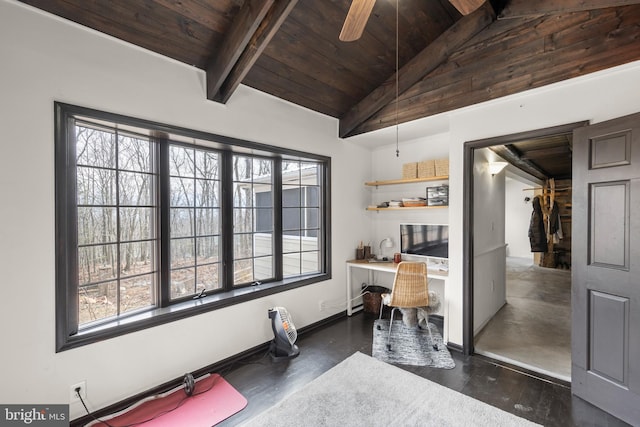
(390, 267)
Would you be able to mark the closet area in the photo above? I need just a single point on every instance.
(531, 326)
(554, 199)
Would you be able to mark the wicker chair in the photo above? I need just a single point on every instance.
(410, 290)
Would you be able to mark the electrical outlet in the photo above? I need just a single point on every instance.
(73, 396)
(493, 286)
(321, 305)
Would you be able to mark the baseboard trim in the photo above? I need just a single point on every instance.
(213, 368)
(455, 347)
(324, 322)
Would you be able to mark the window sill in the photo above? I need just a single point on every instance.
(183, 310)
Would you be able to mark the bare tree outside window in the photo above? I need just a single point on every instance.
(149, 215)
(195, 220)
(116, 223)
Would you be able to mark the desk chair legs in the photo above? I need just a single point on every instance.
(393, 311)
(433, 343)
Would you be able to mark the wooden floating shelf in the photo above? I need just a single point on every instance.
(407, 208)
(405, 181)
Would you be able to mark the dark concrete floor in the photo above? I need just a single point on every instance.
(543, 401)
(533, 329)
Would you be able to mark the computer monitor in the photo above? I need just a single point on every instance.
(426, 240)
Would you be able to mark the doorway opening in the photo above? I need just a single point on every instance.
(518, 302)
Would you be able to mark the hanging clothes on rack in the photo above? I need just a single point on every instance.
(555, 225)
(537, 234)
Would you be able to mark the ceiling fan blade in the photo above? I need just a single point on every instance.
(356, 19)
(465, 7)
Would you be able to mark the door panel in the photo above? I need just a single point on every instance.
(609, 327)
(606, 266)
(611, 150)
(609, 228)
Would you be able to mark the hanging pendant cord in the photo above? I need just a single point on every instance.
(397, 81)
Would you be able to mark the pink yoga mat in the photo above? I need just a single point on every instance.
(213, 401)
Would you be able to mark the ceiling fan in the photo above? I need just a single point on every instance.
(360, 10)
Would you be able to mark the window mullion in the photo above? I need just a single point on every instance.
(116, 202)
(194, 238)
(226, 220)
(164, 213)
(324, 208)
(88, 179)
(277, 218)
(301, 207)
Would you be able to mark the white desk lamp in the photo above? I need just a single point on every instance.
(388, 243)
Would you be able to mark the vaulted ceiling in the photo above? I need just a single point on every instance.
(446, 60)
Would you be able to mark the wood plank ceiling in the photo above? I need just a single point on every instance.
(290, 48)
(544, 157)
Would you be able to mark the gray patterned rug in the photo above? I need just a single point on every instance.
(363, 391)
(410, 346)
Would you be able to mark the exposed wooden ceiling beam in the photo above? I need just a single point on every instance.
(422, 64)
(465, 7)
(244, 26)
(545, 153)
(513, 156)
(523, 8)
(261, 38)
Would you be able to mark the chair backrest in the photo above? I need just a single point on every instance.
(410, 285)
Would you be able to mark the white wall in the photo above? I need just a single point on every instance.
(596, 97)
(387, 166)
(46, 59)
(517, 217)
(489, 284)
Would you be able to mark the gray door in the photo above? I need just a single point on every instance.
(606, 266)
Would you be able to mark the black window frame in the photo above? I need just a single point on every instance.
(67, 303)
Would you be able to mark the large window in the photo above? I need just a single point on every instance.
(301, 217)
(157, 223)
(116, 227)
(194, 185)
(253, 239)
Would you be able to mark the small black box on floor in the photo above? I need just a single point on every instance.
(438, 196)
